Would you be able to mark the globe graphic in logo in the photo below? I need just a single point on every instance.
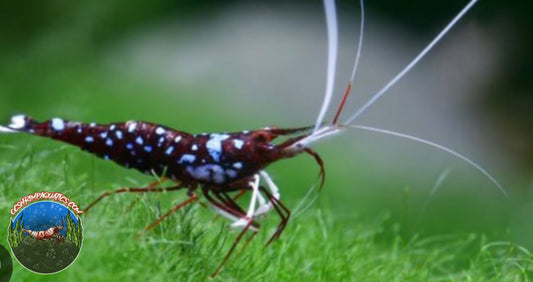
(45, 237)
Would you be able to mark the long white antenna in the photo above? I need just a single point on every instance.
(334, 129)
(432, 144)
(413, 62)
(296, 211)
(331, 22)
(434, 189)
(356, 63)
(360, 43)
(437, 185)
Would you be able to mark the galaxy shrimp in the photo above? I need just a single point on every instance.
(221, 167)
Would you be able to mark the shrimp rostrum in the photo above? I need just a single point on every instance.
(216, 165)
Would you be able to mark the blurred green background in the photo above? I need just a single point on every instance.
(207, 66)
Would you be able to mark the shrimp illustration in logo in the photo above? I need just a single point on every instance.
(45, 237)
(48, 234)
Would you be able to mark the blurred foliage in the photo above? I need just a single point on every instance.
(60, 33)
(90, 23)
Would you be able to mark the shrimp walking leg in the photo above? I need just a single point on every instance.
(233, 246)
(254, 184)
(192, 198)
(283, 212)
(263, 206)
(150, 188)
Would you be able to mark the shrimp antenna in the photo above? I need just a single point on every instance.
(331, 22)
(435, 145)
(356, 63)
(437, 185)
(412, 63)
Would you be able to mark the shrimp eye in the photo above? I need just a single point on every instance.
(261, 137)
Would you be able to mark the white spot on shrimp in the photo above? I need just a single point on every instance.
(169, 150)
(199, 173)
(194, 147)
(58, 124)
(118, 133)
(129, 146)
(218, 174)
(187, 158)
(79, 130)
(109, 142)
(160, 141)
(132, 126)
(106, 157)
(139, 140)
(177, 139)
(112, 127)
(159, 131)
(214, 145)
(18, 122)
(92, 124)
(148, 148)
(245, 131)
(89, 139)
(237, 165)
(208, 172)
(238, 143)
(231, 173)
(103, 135)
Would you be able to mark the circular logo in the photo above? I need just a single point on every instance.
(45, 237)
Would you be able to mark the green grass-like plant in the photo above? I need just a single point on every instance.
(16, 235)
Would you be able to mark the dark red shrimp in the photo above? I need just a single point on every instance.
(219, 163)
(215, 159)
